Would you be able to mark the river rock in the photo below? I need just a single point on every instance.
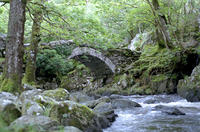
(80, 97)
(59, 94)
(93, 103)
(69, 113)
(115, 96)
(36, 123)
(124, 103)
(105, 109)
(189, 87)
(168, 110)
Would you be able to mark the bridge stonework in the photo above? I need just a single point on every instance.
(103, 63)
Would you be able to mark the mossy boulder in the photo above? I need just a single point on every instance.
(33, 123)
(59, 94)
(8, 111)
(69, 113)
(8, 108)
(189, 87)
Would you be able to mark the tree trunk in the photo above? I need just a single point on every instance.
(12, 76)
(32, 50)
(161, 22)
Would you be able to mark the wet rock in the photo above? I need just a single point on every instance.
(169, 110)
(69, 113)
(150, 101)
(8, 111)
(123, 103)
(80, 97)
(36, 123)
(115, 96)
(105, 109)
(93, 103)
(59, 94)
(189, 87)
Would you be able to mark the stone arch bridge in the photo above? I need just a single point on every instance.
(103, 63)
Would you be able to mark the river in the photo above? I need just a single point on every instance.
(147, 119)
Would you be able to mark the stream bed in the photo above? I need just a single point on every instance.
(147, 119)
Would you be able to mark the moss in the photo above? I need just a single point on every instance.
(58, 94)
(81, 117)
(2, 60)
(72, 114)
(9, 85)
(158, 78)
(29, 77)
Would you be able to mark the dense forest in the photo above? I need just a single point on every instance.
(85, 65)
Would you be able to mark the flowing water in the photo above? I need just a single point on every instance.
(147, 119)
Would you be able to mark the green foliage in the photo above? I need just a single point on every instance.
(4, 18)
(50, 64)
(64, 50)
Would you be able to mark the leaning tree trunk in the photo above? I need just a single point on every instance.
(32, 50)
(161, 22)
(12, 75)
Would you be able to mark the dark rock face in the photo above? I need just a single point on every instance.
(124, 104)
(189, 87)
(168, 110)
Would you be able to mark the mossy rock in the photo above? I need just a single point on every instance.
(59, 94)
(69, 113)
(8, 111)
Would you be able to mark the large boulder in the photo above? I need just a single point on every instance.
(59, 94)
(69, 113)
(29, 94)
(30, 107)
(8, 109)
(35, 123)
(189, 87)
(106, 110)
(124, 104)
(91, 104)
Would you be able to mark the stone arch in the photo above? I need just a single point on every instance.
(99, 64)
